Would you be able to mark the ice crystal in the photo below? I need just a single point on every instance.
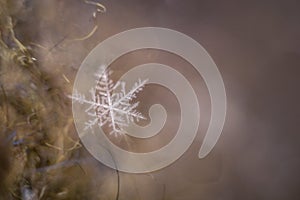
(105, 106)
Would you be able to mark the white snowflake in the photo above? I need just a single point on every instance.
(109, 107)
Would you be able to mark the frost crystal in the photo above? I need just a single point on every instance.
(109, 107)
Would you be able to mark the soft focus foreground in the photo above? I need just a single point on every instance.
(41, 157)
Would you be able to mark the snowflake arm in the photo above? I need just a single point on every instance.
(109, 107)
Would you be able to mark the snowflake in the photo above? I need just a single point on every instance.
(109, 107)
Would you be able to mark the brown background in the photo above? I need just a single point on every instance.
(255, 44)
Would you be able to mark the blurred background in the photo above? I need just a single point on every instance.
(255, 45)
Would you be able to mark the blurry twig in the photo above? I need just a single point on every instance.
(65, 77)
(38, 45)
(42, 192)
(54, 147)
(86, 36)
(12, 33)
(75, 146)
(100, 7)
